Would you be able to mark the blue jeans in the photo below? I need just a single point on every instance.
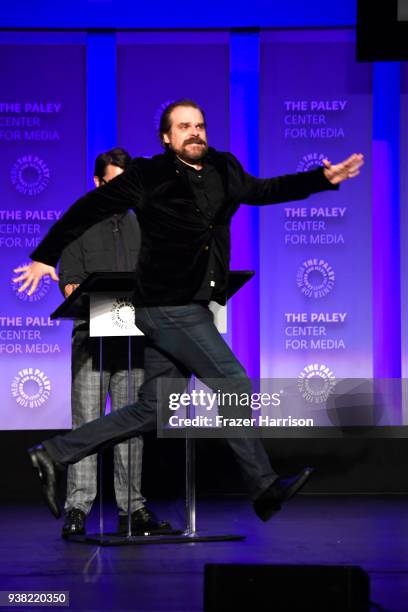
(180, 340)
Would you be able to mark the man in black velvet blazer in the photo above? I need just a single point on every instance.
(184, 199)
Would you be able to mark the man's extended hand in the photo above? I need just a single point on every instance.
(32, 274)
(349, 168)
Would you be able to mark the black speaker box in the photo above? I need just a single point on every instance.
(285, 588)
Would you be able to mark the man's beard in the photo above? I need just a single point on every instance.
(189, 157)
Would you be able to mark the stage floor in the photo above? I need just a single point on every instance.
(368, 531)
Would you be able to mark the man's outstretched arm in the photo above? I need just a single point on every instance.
(302, 184)
(120, 194)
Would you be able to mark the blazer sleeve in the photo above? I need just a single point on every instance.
(257, 191)
(120, 194)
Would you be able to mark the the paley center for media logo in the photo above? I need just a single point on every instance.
(123, 313)
(30, 175)
(310, 161)
(315, 278)
(31, 387)
(316, 382)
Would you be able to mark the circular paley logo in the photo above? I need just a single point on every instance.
(31, 388)
(159, 111)
(123, 313)
(311, 161)
(315, 278)
(30, 175)
(316, 382)
(42, 288)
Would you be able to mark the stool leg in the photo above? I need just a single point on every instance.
(100, 455)
(190, 485)
(130, 475)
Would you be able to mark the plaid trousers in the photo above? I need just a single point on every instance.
(85, 400)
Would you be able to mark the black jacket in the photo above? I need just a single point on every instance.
(94, 251)
(176, 235)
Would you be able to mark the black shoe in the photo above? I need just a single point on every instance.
(45, 466)
(74, 523)
(143, 521)
(279, 492)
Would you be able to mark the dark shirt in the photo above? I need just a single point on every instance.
(208, 190)
(174, 262)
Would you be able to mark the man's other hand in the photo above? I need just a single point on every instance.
(31, 275)
(349, 168)
(70, 288)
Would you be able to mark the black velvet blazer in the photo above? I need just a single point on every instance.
(175, 233)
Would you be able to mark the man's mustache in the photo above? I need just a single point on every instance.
(194, 140)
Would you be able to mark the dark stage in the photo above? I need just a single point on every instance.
(367, 531)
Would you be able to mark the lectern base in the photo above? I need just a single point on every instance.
(172, 537)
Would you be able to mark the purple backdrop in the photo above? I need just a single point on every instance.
(404, 233)
(315, 254)
(155, 69)
(42, 160)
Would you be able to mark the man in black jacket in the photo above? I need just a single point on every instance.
(185, 199)
(112, 245)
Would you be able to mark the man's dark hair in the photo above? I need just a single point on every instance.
(165, 121)
(116, 157)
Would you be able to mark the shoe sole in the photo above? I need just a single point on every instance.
(300, 483)
(266, 516)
